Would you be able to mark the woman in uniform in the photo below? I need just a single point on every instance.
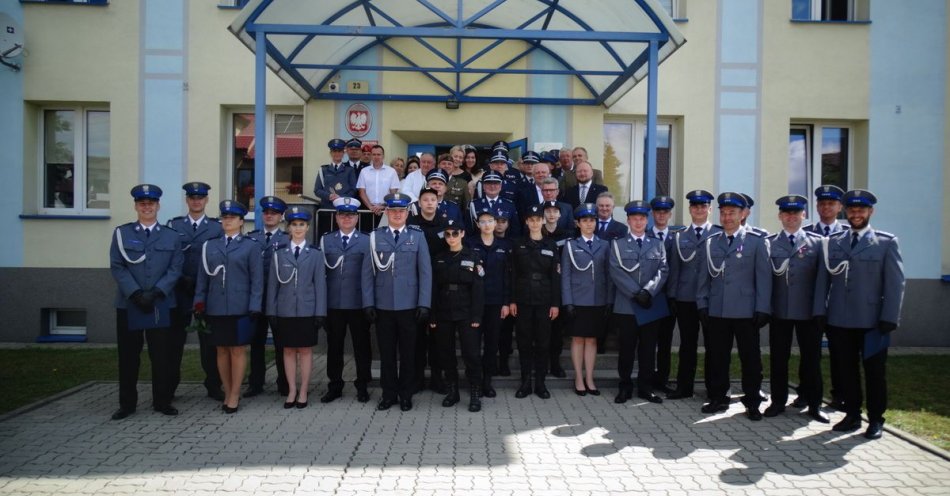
(537, 297)
(229, 291)
(585, 285)
(494, 253)
(457, 282)
(297, 303)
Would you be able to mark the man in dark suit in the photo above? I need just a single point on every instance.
(568, 160)
(549, 190)
(607, 227)
(586, 190)
(529, 194)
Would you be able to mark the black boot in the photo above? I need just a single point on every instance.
(452, 395)
(525, 388)
(503, 369)
(475, 404)
(487, 390)
(540, 390)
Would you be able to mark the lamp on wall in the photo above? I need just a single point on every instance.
(452, 103)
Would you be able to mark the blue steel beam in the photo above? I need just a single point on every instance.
(491, 46)
(260, 128)
(437, 11)
(481, 13)
(532, 47)
(461, 99)
(650, 169)
(411, 63)
(451, 32)
(468, 70)
(422, 42)
(628, 73)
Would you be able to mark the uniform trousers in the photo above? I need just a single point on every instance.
(178, 336)
(721, 334)
(533, 334)
(207, 352)
(338, 320)
(427, 349)
(491, 329)
(633, 336)
(848, 345)
(506, 339)
(664, 348)
(688, 319)
(780, 347)
(160, 354)
(557, 341)
(471, 340)
(396, 334)
(258, 364)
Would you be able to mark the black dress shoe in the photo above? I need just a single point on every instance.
(216, 395)
(715, 406)
(229, 410)
(875, 429)
(524, 390)
(580, 392)
(665, 388)
(623, 395)
(593, 392)
(753, 413)
(289, 404)
(773, 410)
(799, 402)
(542, 392)
(405, 405)
(362, 395)
(121, 413)
(817, 416)
(330, 396)
(300, 404)
(837, 404)
(167, 410)
(651, 397)
(848, 424)
(253, 391)
(558, 372)
(385, 403)
(679, 395)
(488, 390)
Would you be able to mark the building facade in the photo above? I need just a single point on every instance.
(767, 97)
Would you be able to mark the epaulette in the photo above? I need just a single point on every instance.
(812, 234)
(717, 233)
(180, 217)
(717, 226)
(677, 229)
(414, 227)
(213, 219)
(757, 234)
(838, 234)
(256, 231)
(772, 236)
(884, 234)
(130, 224)
(176, 231)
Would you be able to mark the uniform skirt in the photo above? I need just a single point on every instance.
(296, 332)
(224, 330)
(588, 322)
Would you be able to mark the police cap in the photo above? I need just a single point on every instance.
(146, 192)
(273, 203)
(196, 189)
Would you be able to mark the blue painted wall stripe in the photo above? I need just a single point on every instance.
(11, 154)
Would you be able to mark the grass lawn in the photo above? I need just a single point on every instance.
(917, 384)
(30, 374)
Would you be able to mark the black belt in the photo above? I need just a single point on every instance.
(453, 287)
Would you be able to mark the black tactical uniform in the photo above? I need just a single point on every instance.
(537, 288)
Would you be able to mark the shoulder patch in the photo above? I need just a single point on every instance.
(678, 229)
(414, 227)
(838, 234)
(772, 236)
(756, 233)
(256, 231)
(717, 233)
(811, 234)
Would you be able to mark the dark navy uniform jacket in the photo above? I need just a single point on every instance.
(140, 262)
(457, 284)
(794, 274)
(297, 286)
(502, 204)
(585, 280)
(735, 281)
(535, 277)
(342, 182)
(231, 279)
(615, 230)
(669, 244)
(684, 262)
(348, 288)
(495, 259)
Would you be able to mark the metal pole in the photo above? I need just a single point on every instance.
(650, 169)
(260, 129)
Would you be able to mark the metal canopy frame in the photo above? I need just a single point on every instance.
(258, 36)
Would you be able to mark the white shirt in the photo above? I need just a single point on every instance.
(832, 228)
(301, 245)
(413, 182)
(537, 188)
(378, 182)
(198, 221)
(151, 228)
(666, 232)
(798, 234)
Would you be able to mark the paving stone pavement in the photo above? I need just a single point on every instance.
(565, 445)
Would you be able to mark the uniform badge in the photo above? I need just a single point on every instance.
(338, 187)
(481, 271)
(738, 255)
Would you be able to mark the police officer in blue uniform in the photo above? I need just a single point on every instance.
(638, 270)
(681, 288)
(354, 154)
(828, 198)
(229, 290)
(437, 180)
(270, 238)
(494, 253)
(746, 212)
(733, 298)
(457, 275)
(864, 279)
(796, 257)
(585, 293)
(536, 301)
(349, 291)
(195, 228)
(662, 209)
(146, 261)
(334, 180)
(401, 272)
(493, 200)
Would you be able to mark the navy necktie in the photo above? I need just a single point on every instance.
(731, 238)
(660, 235)
(590, 244)
(228, 242)
(296, 251)
(147, 232)
(603, 226)
(854, 240)
(345, 239)
(827, 230)
(396, 235)
(194, 226)
(267, 235)
(791, 239)
(699, 232)
(639, 243)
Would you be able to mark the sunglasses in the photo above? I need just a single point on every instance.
(453, 234)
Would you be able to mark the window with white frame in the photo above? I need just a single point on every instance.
(830, 10)
(67, 322)
(672, 8)
(74, 160)
(283, 160)
(818, 154)
(625, 159)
